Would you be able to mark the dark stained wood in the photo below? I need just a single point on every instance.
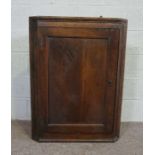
(77, 68)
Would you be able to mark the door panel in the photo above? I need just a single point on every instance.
(81, 68)
(77, 72)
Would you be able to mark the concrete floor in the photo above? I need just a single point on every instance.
(130, 143)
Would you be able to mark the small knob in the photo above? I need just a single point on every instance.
(110, 82)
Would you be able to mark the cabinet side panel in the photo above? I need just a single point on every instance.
(33, 76)
(120, 79)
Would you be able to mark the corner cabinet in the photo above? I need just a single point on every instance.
(77, 67)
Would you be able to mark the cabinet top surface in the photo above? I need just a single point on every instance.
(80, 19)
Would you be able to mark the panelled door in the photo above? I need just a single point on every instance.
(77, 71)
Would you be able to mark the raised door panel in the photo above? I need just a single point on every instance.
(77, 72)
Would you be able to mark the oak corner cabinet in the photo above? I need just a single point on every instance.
(77, 69)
